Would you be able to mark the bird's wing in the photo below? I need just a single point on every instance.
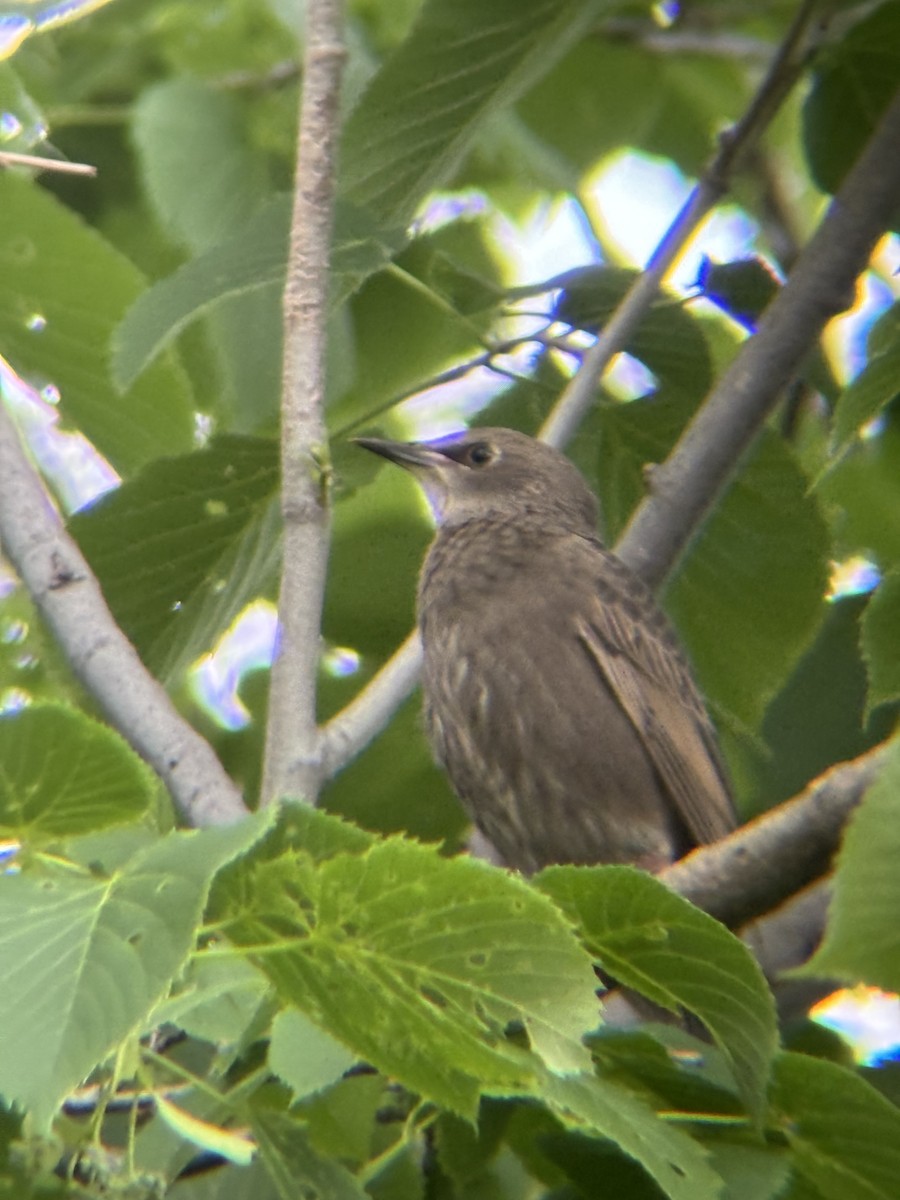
(629, 640)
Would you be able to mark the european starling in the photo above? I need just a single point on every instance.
(557, 697)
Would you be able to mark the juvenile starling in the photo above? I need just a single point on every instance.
(557, 697)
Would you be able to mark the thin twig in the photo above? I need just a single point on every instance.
(8, 158)
(709, 43)
(67, 595)
(353, 728)
(580, 394)
(450, 375)
(292, 759)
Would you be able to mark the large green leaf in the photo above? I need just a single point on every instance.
(818, 717)
(856, 76)
(62, 774)
(199, 168)
(671, 1157)
(751, 1172)
(205, 180)
(294, 1163)
(251, 258)
(219, 999)
(609, 93)
(844, 1136)
(305, 1056)
(657, 943)
(861, 494)
(87, 958)
(461, 61)
(862, 939)
(183, 547)
(432, 958)
(63, 289)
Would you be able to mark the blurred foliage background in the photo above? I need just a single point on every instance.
(140, 335)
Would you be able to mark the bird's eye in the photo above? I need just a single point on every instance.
(480, 454)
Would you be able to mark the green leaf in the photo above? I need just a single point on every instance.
(202, 175)
(743, 288)
(608, 93)
(817, 718)
(54, 266)
(678, 1070)
(673, 1159)
(294, 1163)
(874, 387)
(861, 493)
(205, 180)
(768, 527)
(466, 291)
(432, 959)
(305, 1057)
(656, 942)
(743, 635)
(62, 773)
(183, 547)
(862, 939)
(751, 1172)
(29, 125)
(855, 78)
(223, 1000)
(86, 958)
(463, 1150)
(252, 257)
(844, 1136)
(881, 648)
(343, 1119)
(670, 340)
(462, 61)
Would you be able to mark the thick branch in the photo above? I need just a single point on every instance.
(821, 285)
(67, 595)
(771, 858)
(293, 755)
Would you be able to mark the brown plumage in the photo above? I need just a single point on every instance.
(556, 694)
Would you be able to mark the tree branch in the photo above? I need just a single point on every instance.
(581, 392)
(363, 718)
(821, 285)
(759, 865)
(293, 753)
(710, 43)
(68, 597)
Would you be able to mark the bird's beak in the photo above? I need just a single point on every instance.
(412, 455)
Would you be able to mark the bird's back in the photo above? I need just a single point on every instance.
(559, 702)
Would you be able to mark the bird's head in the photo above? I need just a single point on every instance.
(493, 473)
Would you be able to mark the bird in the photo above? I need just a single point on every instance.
(557, 696)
